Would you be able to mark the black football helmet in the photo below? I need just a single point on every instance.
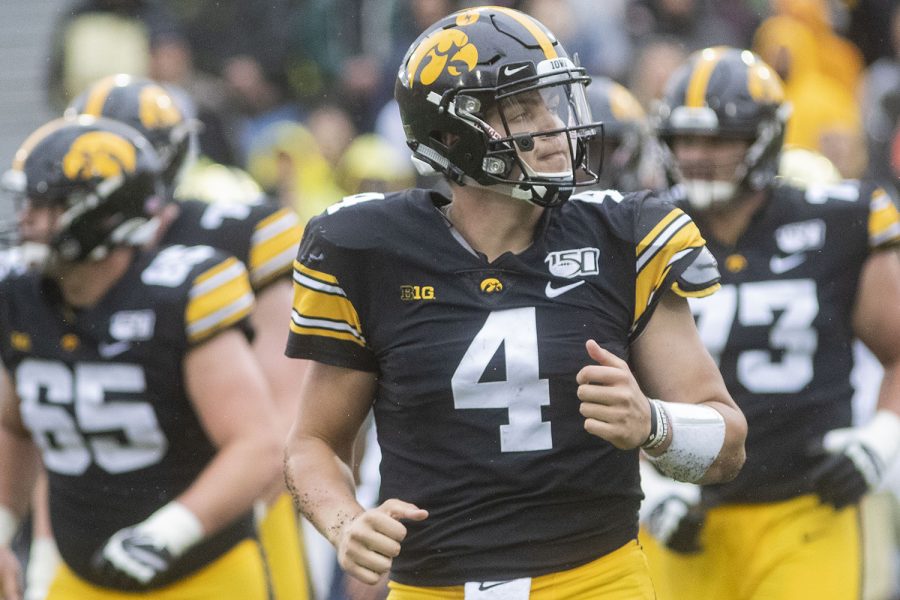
(155, 111)
(104, 175)
(727, 93)
(489, 97)
(625, 134)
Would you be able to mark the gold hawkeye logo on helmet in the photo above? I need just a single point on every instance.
(157, 108)
(99, 154)
(447, 49)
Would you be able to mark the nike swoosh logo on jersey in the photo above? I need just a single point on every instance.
(783, 264)
(485, 585)
(510, 71)
(553, 292)
(114, 349)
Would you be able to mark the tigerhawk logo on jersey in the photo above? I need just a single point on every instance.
(20, 341)
(491, 285)
(802, 236)
(574, 263)
(132, 325)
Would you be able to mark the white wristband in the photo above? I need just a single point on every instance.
(175, 526)
(698, 433)
(9, 525)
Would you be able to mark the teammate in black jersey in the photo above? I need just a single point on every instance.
(132, 373)
(264, 237)
(495, 333)
(805, 269)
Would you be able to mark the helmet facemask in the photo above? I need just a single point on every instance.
(490, 98)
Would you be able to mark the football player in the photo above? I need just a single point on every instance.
(626, 149)
(805, 268)
(494, 333)
(263, 236)
(132, 373)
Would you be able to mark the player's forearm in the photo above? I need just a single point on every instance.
(889, 393)
(19, 462)
(321, 485)
(704, 441)
(233, 480)
(732, 455)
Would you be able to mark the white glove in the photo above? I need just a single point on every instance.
(856, 459)
(43, 560)
(671, 510)
(136, 556)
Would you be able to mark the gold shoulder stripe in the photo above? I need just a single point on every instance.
(680, 236)
(274, 246)
(707, 291)
(321, 308)
(219, 297)
(528, 23)
(659, 236)
(300, 268)
(884, 220)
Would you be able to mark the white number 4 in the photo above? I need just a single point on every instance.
(523, 393)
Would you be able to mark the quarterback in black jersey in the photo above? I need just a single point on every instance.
(131, 371)
(495, 333)
(805, 270)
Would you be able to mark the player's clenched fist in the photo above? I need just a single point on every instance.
(369, 543)
(612, 403)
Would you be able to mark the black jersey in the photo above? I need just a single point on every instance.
(781, 329)
(476, 407)
(103, 394)
(263, 236)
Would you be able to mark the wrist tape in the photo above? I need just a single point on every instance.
(175, 526)
(698, 433)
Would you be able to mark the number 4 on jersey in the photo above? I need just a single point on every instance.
(523, 393)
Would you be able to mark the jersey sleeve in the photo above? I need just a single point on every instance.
(884, 220)
(325, 325)
(219, 297)
(670, 254)
(273, 247)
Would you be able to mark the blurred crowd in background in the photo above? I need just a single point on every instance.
(295, 96)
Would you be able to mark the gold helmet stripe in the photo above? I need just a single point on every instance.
(33, 140)
(98, 96)
(528, 23)
(695, 94)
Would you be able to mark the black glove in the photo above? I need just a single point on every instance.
(135, 557)
(677, 524)
(853, 460)
(836, 479)
(132, 560)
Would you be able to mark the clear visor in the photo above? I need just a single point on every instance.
(544, 124)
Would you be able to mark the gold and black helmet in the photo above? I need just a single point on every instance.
(492, 61)
(102, 174)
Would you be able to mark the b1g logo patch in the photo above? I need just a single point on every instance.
(574, 263)
(409, 293)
